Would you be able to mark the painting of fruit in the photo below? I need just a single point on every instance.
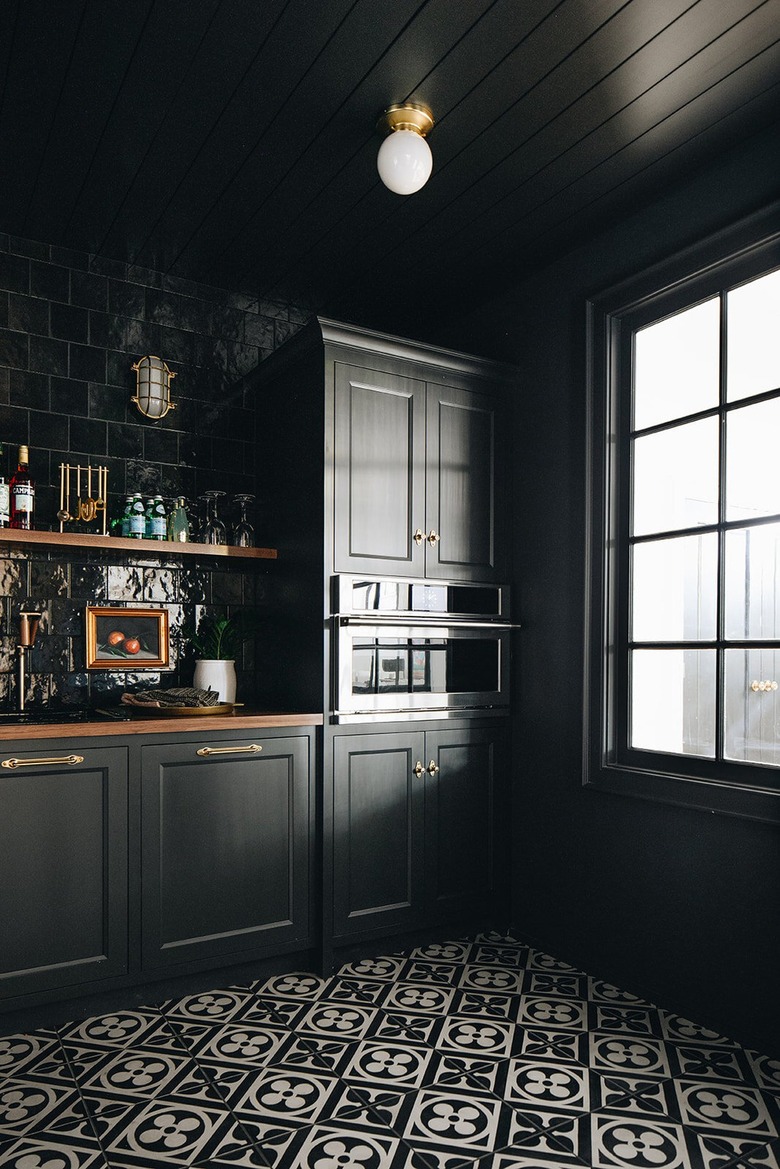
(116, 637)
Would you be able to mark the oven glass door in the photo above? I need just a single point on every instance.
(397, 670)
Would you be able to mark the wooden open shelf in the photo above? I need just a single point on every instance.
(21, 539)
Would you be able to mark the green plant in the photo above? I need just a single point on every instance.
(219, 638)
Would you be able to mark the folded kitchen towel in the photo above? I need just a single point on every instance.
(178, 696)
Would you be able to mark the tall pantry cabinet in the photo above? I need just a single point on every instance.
(384, 457)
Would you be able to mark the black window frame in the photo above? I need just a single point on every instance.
(735, 255)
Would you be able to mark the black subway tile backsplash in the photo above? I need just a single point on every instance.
(71, 326)
(29, 314)
(47, 280)
(69, 322)
(88, 362)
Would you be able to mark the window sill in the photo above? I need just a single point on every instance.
(705, 795)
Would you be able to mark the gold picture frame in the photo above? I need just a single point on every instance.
(127, 639)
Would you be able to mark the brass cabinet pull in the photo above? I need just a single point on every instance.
(54, 761)
(763, 686)
(418, 769)
(418, 536)
(432, 767)
(433, 538)
(252, 749)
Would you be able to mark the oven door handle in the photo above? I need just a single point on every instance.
(445, 621)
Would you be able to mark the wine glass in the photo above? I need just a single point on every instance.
(243, 531)
(214, 531)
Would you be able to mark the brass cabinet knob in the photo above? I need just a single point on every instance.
(432, 767)
(418, 536)
(433, 537)
(418, 769)
(764, 687)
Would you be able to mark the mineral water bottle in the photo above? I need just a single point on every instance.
(137, 522)
(157, 528)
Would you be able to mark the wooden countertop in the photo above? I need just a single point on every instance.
(147, 724)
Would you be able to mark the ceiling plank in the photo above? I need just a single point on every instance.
(44, 38)
(90, 192)
(235, 37)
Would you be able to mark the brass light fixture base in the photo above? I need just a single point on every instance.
(410, 116)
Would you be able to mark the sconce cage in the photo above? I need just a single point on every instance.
(153, 387)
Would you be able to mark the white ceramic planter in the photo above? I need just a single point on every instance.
(216, 674)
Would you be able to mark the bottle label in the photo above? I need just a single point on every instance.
(158, 527)
(24, 497)
(137, 525)
(5, 503)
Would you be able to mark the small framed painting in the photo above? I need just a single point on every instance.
(127, 639)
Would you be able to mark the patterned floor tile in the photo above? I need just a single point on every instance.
(641, 1143)
(476, 1053)
(18, 1053)
(173, 1133)
(727, 1108)
(45, 1153)
(611, 1053)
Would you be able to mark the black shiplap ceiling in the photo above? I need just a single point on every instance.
(233, 141)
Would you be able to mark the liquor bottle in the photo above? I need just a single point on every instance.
(22, 492)
(178, 523)
(157, 528)
(5, 502)
(137, 522)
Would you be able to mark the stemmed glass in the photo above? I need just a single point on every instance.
(214, 531)
(243, 531)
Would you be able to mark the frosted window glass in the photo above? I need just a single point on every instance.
(752, 708)
(676, 478)
(753, 337)
(673, 701)
(674, 589)
(676, 366)
(752, 453)
(753, 583)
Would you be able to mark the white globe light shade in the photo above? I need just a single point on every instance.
(404, 162)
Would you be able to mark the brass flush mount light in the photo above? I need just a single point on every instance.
(153, 387)
(405, 161)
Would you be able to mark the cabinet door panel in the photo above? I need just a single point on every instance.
(461, 485)
(226, 842)
(379, 485)
(460, 820)
(377, 837)
(63, 870)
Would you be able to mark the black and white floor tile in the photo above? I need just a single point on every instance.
(476, 1054)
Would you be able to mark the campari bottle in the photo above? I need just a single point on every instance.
(22, 492)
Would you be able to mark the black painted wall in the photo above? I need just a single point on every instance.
(679, 905)
(71, 325)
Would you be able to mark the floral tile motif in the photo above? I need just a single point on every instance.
(174, 1134)
(560, 1046)
(541, 1084)
(476, 1053)
(640, 1143)
(432, 1000)
(407, 1028)
(628, 1054)
(725, 1107)
(18, 1052)
(40, 1153)
(339, 1019)
(455, 1120)
(551, 1012)
(390, 1064)
(723, 1152)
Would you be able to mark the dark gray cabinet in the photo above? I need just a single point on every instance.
(416, 827)
(226, 839)
(416, 473)
(63, 866)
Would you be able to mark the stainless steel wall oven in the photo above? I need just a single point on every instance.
(409, 649)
